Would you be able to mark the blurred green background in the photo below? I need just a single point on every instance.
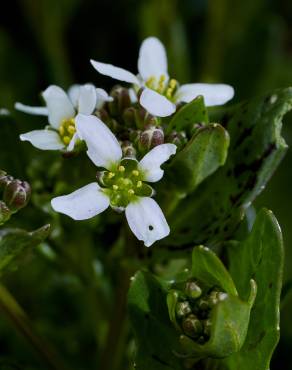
(247, 44)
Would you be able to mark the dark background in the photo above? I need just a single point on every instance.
(247, 44)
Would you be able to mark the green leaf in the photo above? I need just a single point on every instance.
(204, 153)
(15, 244)
(208, 268)
(189, 114)
(149, 317)
(259, 257)
(213, 211)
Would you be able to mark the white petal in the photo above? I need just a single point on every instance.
(146, 220)
(43, 139)
(115, 72)
(103, 147)
(156, 104)
(152, 60)
(59, 105)
(83, 203)
(73, 93)
(214, 94)
(39, 111)
(87, 99)
(72, 143)
(151, 162)
(133, 96)
(102, 97)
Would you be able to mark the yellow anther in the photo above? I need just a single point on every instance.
(150, 82)
(169, 92)
(131, 192)
(62, 130)
(71, 129)
(139, 184)
(72, 121)
(110, 175)
(115, 187)
(172, 83)
(161, 84)
(66, 140)
(135, 173)
(121, 168)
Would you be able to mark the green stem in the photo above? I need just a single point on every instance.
(18, 317)
(112, 352)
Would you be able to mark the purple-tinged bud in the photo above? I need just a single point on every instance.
(16, 194)
(177, 138)
(129, 117)
(128, 149)
(5, 212)
(103, 115)
(121, 100)
(151, 137)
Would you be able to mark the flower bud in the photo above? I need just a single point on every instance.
(4, 212)
(192, 289)
(128, 149)
(129, 117)
(177, 138)
(16, 194)
(121, 100)
(192, 326)
(183, 309)
(151, 137)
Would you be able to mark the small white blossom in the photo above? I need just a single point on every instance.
(122, 183)
(61, 109)
(161, 94)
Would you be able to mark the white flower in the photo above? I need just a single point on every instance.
(123, 184)
(161, 94)
(61, 109)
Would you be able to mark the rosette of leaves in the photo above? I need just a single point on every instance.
(210, 317)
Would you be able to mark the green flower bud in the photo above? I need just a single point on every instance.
(16, 194)
(183, 309)
(192, 289)
(5, 212)
(192, 326)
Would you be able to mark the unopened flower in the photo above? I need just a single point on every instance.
(160, 93)
(121, 186)
(61, 109)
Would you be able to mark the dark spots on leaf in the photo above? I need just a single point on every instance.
(270, 285)
(162, 362)
(225, 228)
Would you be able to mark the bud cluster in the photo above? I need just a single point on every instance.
(137, 130)
(15, 195)
(193, 310)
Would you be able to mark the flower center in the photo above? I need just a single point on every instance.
(124, 184)
(163, 86)
(67, 129)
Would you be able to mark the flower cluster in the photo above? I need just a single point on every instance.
(125, 136)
